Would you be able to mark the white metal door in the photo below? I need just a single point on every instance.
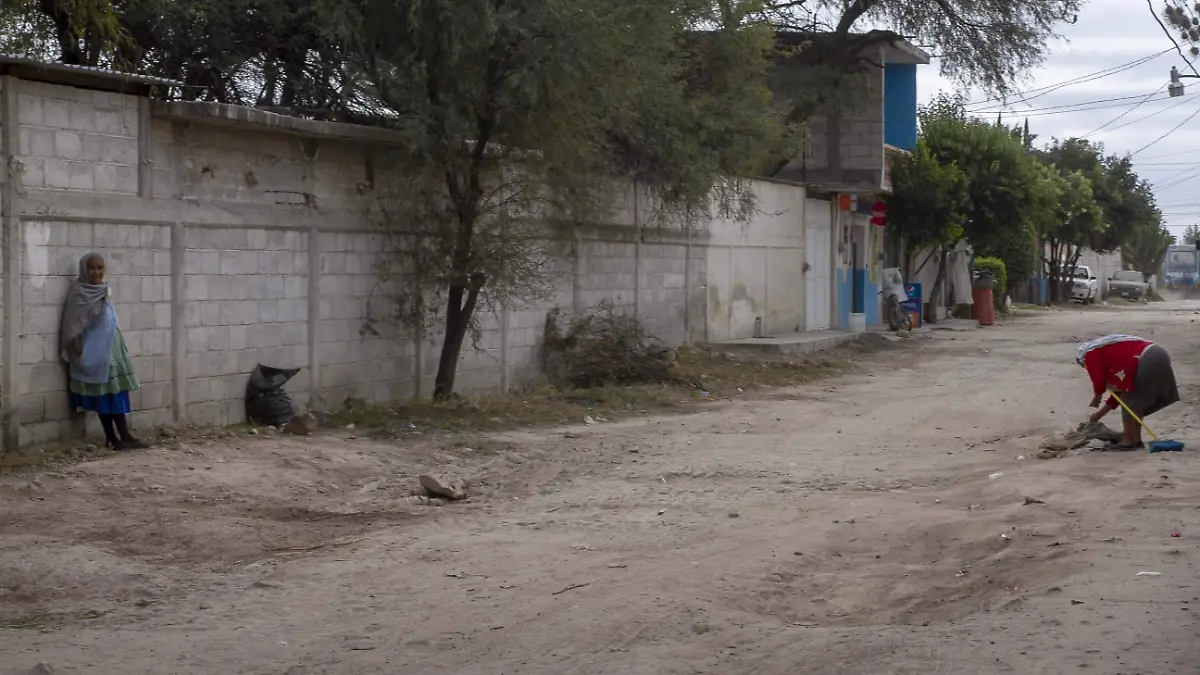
(818, 253)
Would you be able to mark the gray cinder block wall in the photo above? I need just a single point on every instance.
(236, 237)
(846, 143)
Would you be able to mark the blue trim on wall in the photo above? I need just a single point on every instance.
(900, 105)
(868, 298)
(845, 291)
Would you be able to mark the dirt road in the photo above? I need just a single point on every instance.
(874, 524)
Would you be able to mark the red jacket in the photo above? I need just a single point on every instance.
(1116, 365)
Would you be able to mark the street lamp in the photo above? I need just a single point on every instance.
(1175, 88)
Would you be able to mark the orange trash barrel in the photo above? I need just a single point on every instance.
(985, 308)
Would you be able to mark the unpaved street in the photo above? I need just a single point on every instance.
(874, 524)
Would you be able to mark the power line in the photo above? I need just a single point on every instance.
(1098, 104)
(1175, 180)
(1174, 154)
(1119, 69)
(1138, 104)
(1084, 107)
(1065, 109)
(1143, 118)
(1166, 165)
(1041, 91)
(1172, 130)
(1135, 106)
(1179, 205)
(1073, 105)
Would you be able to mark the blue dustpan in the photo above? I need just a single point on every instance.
(1166, 446)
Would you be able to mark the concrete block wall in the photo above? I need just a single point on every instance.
(856, 139)
(269, 241)
(363, 352)
(217, 164)
(860, 143)
(78, 139)
(246, 303)
(606, 271)
(669, 278)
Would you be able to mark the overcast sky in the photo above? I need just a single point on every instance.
(1109, 35)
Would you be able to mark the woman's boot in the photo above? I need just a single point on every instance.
(110, 433)
(128, 442)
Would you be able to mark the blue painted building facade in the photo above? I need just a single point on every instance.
(847, 167)
(858, 278)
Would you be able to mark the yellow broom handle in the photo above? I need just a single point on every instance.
(1137, 419)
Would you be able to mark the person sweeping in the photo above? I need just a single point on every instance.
(1137, 370)
(101, 373)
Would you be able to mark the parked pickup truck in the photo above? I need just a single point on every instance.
(1085, 287)
(1128, 284)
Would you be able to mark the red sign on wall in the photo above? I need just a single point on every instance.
(879, 214)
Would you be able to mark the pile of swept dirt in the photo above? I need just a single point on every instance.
(1061, 443)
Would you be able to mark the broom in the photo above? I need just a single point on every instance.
(1156, 445)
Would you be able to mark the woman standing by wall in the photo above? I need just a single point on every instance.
(101, 373)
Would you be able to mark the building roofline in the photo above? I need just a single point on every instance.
(905, 52)
(88, 77)
(901, 50)
(225, 114)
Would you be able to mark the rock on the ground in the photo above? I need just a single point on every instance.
(42, 668)
(25, 487)
(166, 431)
(324, 418)
(301, 425)
(445, 485)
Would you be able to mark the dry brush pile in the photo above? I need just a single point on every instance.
(602, 346)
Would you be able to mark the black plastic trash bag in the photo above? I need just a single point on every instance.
(266, 401)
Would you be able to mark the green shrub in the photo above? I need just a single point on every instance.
(999, 270)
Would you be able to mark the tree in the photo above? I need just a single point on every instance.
(927, 206)
(1185, 19)
(1146, 249)
(276, 54)
(990, 45)
(986, 188)
(1077, 220)
(1191, 234)
(1003, 182)
(518, 117)
(986, 44)
(1125, 200)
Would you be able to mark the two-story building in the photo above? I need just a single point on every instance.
(847, 171)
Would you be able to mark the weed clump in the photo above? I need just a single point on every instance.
(604, 347)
